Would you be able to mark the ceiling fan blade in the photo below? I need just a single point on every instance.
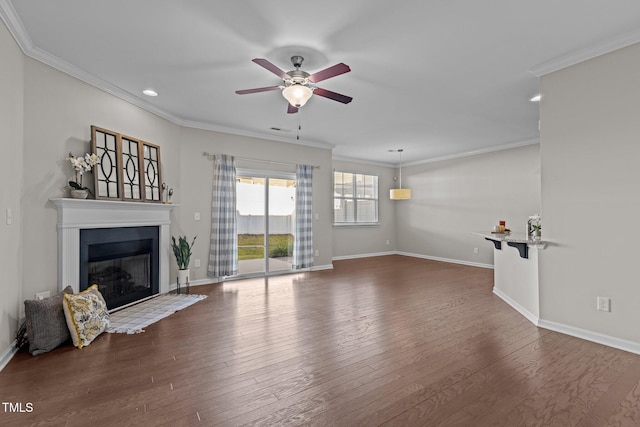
(291, 109)
(256, 90)
(332, 95)
(336, 70)
(269, 66)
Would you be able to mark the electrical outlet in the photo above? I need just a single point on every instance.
(196, 263)
(317, 253)
(42, 295)
(604, 304)
(196, 216)
(387, 242)
(476, 250)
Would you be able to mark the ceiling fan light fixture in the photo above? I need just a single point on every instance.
(297, 94)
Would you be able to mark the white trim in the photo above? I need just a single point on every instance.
(19, 33)
(584, 334)
(233, 131)
(319, 268)
(520, 309)
(15, 26)
(432, 258)
(7, 355)
(363, 162)
(585, 54)
(619, 343)
(78, 214)
(487, 150)
(343, 257)
(173, 286)
(449, 260)
(443, 158)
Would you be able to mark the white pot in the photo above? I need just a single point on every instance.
(79, 194)
(183, 277)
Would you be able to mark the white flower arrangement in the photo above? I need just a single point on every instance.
(81, 165)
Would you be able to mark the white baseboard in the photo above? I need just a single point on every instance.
(199, 282)
(321, 267)
(432, 258)
(7, 355)
(343, 257)
(621, 344)
(209, 280)
(453, 261)
(520, 309)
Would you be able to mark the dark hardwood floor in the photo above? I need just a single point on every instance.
(393, 341)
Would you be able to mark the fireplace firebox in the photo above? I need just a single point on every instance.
(123, 262)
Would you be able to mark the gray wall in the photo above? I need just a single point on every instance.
(11, 172)
(353, 241)
(590, 149)
(197, 170)
(58, 113)
(453, 198)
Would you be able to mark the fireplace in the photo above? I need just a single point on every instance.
(79, 216)
(123, 262)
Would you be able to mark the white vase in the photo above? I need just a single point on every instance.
(183, 279)
(79, 194)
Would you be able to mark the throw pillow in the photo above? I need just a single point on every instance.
(45, 322)
(86, 314)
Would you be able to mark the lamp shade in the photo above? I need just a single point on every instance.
(400, 194)
(297, 94)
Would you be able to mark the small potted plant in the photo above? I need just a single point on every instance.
(536, 231)
(182, 252)
(81, 165)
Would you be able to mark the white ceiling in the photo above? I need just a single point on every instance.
(437, 78)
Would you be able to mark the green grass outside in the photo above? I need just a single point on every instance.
(279, 245)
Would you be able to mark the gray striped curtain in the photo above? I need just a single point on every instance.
(223, 249)
(303, 238)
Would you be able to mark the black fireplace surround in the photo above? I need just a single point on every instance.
(123, 262)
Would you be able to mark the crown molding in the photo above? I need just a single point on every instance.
(581, 55)
(363, 162)
(252, 134)
(495, 148)
(19, 33)
(15, 27)
(476, 152)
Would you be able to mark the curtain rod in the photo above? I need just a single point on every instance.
(211, 156)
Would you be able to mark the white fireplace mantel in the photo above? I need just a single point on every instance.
(77, 214)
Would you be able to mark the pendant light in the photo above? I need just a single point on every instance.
(399, 193)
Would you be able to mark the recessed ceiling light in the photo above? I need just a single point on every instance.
(150, 92)
(536, 98)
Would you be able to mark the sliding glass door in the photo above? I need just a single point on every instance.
(266, 222)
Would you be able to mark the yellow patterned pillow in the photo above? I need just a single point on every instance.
(86, 314)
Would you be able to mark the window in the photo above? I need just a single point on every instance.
(355, 198)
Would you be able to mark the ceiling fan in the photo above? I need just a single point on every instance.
(298, 85)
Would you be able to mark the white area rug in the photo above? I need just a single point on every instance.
(132, 320)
